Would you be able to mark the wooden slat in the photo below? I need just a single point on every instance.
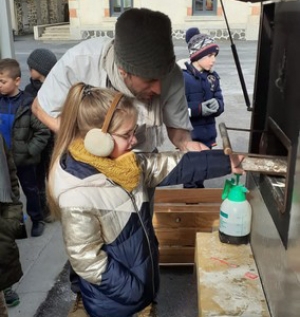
(176, 255)
(192, 195)
(203, 221)
(178, 237)
(191, 208)
(179, 214)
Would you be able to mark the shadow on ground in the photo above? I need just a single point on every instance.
(177, 297)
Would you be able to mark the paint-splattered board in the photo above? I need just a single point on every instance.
(227, 278)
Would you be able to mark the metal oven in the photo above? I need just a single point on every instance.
(275, 125)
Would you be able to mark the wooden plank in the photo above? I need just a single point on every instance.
(202, 221)
(179, 214)
(228, 281)
(192, 195)
(176, 255)
(179, 207)
(178, 237)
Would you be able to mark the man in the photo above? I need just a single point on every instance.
(139, 62)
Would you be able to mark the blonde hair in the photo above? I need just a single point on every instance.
(85, 108)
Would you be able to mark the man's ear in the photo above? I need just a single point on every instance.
(122, 72)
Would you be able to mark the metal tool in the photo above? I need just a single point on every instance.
(261, 163)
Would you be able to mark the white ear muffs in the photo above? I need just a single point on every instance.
(97, 141)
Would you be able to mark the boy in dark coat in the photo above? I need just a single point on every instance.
(11, 228)
(24, 134)
(203, 91)
(40, 62)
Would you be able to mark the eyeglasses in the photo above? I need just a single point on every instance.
(127, 136)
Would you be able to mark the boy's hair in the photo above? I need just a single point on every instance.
(85, 108)
(11, 67)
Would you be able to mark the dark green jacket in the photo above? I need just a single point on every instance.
(11, 220)
(29, 136)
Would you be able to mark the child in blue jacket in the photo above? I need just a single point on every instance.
(24, 135)
(202, 90)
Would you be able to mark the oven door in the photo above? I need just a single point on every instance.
(275, 233)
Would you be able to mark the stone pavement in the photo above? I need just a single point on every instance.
(44, 289)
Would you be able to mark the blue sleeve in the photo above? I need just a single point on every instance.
(199, 166)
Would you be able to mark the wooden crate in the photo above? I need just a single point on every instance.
(180, 213)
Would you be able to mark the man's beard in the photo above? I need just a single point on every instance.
(138, 95)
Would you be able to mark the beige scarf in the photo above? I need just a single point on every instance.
(123, 170)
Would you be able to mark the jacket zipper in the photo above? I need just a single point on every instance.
(143, 226)
(147, 237)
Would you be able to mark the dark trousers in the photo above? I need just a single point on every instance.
(42, 170)
(28, 180)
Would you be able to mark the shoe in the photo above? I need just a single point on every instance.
(11, 297)
(37, 229)
(77, 310)
(149, 311)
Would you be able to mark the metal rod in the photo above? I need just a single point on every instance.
(237, 62)
(225, 139)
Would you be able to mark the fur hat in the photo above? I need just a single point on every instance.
(41, 60)
(190, 33)
(201, 45)
(143, 43)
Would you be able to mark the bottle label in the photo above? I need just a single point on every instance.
(237, 227)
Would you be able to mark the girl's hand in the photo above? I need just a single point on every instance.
(236, 163)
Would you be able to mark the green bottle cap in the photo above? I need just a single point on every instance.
(233, 191)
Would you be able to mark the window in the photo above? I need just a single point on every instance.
(119, 6)
(204, 7)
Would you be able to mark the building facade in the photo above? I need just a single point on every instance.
(93, 18)
(90, 18)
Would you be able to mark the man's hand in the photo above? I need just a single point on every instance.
(50, 122)
(196, 146)
(183, 141)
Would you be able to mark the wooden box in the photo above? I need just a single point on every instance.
(180, 213)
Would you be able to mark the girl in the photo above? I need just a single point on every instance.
(101, 198)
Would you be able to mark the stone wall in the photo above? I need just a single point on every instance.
(37, 12)
(220, 34)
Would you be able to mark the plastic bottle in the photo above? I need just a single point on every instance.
(235, 213)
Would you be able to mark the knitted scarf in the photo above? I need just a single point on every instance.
(123, 170)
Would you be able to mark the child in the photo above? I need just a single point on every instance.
(203, 91)
(24, 134)
(11, 228)
(98, 188)
(40, 62)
